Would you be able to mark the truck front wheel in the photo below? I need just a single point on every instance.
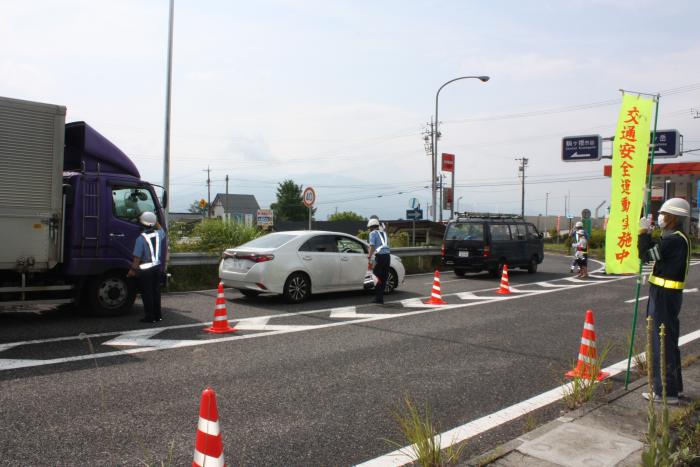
(110, 294)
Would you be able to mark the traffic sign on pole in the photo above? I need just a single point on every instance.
(448, 162)
(668, 144)
(309, 197)
(581, 148)
(414, 214)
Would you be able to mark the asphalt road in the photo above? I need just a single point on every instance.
(309, 384)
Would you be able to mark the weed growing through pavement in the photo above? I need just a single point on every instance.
(530, 423)
(639, 358)
(658, 447)
(422, 435)
(159, 463)
(584, 388)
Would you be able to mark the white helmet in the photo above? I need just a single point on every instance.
(148, 219)
(373, 223)
(578, 225)
(676, 206)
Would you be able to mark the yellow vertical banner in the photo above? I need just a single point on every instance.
(628, 180)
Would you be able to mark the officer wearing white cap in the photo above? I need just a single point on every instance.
(379, 244)
(672, 258)
(146, 265)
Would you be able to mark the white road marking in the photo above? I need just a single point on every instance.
(476, 427)
(579, 281)
(267, 330)
(350, 312)
(548, 284)
(256, 323)
(471, 296)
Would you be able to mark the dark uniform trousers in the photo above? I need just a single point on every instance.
(664, 307)
(381, 270)
(149, 283)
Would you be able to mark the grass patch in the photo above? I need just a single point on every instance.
(422, 434)
(186, 278)
(585, 388)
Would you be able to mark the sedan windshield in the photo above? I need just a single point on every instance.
(273, 240)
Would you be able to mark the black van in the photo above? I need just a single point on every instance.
(486, 242)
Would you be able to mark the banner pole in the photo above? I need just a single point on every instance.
(647, 208)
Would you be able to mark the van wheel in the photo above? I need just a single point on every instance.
(297, 288)
(459, 272)
(532, 267)
(110, 294)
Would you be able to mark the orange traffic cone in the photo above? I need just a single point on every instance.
(505, 288)
(220, 324)
(435, 295)
(587, 354)
(208, 446)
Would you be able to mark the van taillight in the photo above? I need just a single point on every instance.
(442, 250)
(487, 250)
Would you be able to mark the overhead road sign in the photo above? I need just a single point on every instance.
(581, 148)
(668, 144)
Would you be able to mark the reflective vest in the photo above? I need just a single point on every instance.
(155, 255)
(668, 283)
(383, 239)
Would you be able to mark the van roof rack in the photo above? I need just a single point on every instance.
(485, 215)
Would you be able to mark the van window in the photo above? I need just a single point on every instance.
(465, 231)
(500, 232)
(532, 232)
(518, 231)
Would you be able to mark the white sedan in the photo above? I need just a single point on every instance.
(297, 263)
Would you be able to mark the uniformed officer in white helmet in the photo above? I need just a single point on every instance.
(146, 265)
(379, 246)
(672, 258)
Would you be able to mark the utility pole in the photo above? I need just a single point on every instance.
(521, 172)
(546, 210)
(208, 193)
(168, 85)
(226, 200)
(428, 142)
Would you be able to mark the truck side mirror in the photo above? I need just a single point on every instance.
(164, 200)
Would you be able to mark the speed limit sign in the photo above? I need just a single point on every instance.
(309, 197)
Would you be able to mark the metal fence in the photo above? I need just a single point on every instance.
(194, 259)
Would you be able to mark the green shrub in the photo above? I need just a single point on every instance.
(216, 235)
(397, 240)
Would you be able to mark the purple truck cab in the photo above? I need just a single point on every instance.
(104, 197)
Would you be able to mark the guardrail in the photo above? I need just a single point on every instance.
(197, 258)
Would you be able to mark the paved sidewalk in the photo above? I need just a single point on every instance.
(610, 433)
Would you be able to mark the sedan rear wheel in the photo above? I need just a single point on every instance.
(297, 288)
(392, 281)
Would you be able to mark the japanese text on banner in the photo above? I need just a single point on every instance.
(629, 170)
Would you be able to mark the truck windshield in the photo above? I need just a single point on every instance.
(128, 202)
(465, 231)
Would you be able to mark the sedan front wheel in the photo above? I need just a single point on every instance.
(297, 288)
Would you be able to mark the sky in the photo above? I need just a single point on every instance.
(338, 94)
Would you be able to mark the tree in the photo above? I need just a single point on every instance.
(346, 216)
(289, 205)
(198, 207)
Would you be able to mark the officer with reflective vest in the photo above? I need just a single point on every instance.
(379, 246)
(672, 258)
(148, 254)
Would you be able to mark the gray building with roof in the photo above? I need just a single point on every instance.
(238, 208)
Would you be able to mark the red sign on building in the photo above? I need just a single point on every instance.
(448, 162)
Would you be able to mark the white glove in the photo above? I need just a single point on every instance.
(644, 224)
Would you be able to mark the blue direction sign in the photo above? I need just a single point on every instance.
(414, 214)
(668, 144)
(581, 148)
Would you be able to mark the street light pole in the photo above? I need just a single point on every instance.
(436, 134)
(166, 149)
